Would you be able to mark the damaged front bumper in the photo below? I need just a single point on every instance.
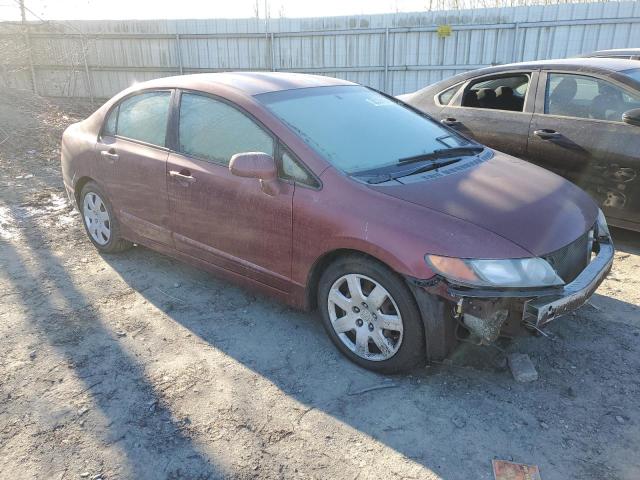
(485, 313)
(544, 309)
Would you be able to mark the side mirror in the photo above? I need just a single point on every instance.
(632, 117)
(257, 165)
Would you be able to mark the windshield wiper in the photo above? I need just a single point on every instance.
(434, 165)
(441, 153)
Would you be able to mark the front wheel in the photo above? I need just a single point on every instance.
(371, 315)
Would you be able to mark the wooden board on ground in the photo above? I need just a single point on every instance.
(503, 470)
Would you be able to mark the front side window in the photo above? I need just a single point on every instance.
(143, 117)
(503, 93)
(215, 131)
(357, 129)
(580, 96)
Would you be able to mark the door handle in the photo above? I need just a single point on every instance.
(547, 134)
(450, 121)
(182, 175)
(110, 154)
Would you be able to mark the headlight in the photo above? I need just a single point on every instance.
(603, 228)
(517, 272)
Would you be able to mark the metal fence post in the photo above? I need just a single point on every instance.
(87, 73)
(27, 41)
(273, 61)
(179, 51)
(386, 61)
(514, 55)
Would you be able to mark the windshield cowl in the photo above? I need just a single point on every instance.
(419, 165)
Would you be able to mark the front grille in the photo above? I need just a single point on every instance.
(571, 259)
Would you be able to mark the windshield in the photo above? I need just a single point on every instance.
(357, 129)
(634, 73)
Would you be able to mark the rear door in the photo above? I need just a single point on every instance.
(133, 162)
(495, 110)
(577, 131)
(216, 216)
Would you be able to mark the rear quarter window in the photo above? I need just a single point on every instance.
(444, 98)
(110, 124)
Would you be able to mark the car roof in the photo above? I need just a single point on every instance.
(247, 83)
(616, 51)
(592, 64)
(613, 64)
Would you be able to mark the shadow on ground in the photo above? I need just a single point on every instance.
(73, 325)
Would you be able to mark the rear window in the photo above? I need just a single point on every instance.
(141, 117)
(635, 74)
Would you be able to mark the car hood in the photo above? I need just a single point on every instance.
(532, 207)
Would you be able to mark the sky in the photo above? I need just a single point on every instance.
(161, 9)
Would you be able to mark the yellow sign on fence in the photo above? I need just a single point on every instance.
(444, 31)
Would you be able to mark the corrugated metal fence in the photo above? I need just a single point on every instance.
(396, 53)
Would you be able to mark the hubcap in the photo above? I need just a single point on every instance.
(96, 218)
(365, 317)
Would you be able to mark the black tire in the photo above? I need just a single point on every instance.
(411, 351)
(116, 243)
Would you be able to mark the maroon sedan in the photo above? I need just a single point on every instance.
(326, 194)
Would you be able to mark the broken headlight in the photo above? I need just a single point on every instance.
(509, 273)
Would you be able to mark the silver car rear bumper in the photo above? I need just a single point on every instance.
(541, 310)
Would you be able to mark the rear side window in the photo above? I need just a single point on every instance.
(502, 93)
(142, 117)
(215, 131)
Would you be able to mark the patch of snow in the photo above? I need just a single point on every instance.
(8, 228)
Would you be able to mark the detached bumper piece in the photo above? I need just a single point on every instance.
(542, 310)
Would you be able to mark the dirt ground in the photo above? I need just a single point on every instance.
(135, 366)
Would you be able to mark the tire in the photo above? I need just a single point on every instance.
(361, 334)
(99, 220)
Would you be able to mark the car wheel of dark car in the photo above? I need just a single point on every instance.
(100, 221)
(371, 315)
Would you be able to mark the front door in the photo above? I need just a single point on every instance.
(495, 110)
(218, 217)
(577, 131)
(133, 163)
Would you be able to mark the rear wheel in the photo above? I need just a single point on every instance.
(371, 315)
(100, 221)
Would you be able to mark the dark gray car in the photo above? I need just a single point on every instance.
(577, 117)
